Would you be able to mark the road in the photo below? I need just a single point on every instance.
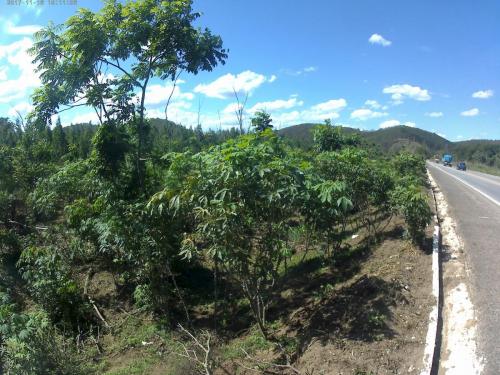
(474, 203)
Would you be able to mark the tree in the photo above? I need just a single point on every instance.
(106, 59)
(262, 121)
(59, 142)
(240, 196)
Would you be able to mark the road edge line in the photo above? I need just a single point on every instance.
(432, 346)
(470, 186)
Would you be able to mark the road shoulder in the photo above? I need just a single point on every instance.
(459, 353)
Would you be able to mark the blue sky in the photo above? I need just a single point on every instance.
(366, 64)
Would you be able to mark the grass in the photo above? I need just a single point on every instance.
(251, 343)
(134, 357)
(138, 366)
(484, 168)
(133, 333)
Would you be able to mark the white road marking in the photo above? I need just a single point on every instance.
(459, 351)
(472, 187)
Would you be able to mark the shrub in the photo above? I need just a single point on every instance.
(412, 203)
(31, 346)
(49, 280)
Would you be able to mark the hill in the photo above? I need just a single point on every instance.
(391, 139)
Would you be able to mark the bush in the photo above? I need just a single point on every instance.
(412, 203)
(31, 346)
(410, 166)
(51, 285)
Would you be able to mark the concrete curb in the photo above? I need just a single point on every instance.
(431, 351)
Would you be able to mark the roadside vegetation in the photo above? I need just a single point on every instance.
(181, 245)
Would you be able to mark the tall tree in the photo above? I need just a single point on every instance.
(262, 121)
(106, 59)
(59, 142)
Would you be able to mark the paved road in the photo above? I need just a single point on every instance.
(474, 203)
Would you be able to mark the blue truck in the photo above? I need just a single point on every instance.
(447, 159)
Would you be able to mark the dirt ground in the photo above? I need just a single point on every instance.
(376, 322)
(369, 316)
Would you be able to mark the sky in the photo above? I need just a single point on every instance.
(366, 64)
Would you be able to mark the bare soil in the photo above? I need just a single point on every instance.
(369, 314)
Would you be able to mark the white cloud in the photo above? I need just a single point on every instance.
(434, 114)
(23, 108)
(17, 56)
(224, 86)
(332, 105)
(287, 117)
(295, 73)
(3, 73)
(373, 104)
(316, 113)
(470, 113)
(276, 105)
(379, 39)
(11, 29)
(157, 94)
(483, 94)
(231, 108)
(85, 118)
(391, 123)
(400, 92)
(365, 114)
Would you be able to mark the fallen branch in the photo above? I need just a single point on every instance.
(261, 363)
(25, 225)
(99, 315)
(206, 361)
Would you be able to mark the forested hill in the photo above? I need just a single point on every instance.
(486, 152)
(390, 139)
(394, 139)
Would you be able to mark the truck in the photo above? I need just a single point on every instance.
(447, 159)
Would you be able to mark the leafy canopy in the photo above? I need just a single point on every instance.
(106, 59)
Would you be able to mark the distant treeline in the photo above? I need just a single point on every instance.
(75, 141)
(485, 152)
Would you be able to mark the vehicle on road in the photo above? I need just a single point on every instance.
(462, 166)
(447, 159)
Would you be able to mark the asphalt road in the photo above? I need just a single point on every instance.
(474, 203)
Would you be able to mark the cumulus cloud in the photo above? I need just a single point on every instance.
(379, 39)
(276, 105)
(330, 105)
(391, 123)
(401, 91)
(470, 113)
(434, 114)
(20, 108)
(483, 94)
(158, 93)
(16, 55)
(372, 104)
(224, 86)
(366, 114)
(325, 110)
(11, 29)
